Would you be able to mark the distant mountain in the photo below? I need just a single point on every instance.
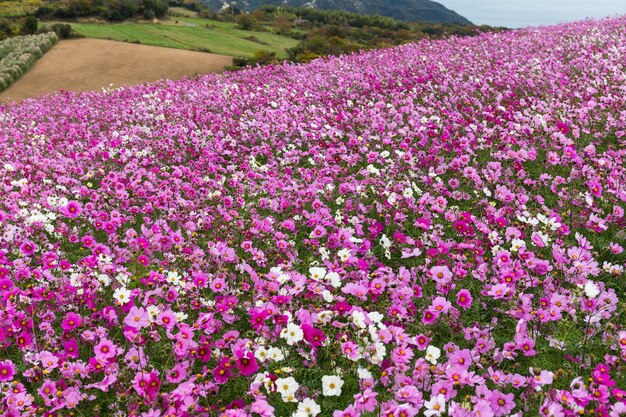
(407, 10)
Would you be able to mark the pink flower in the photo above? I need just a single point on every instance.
(137, 318)
(440, 306)
(71, 321)
(146, 384)
(350, 411)
(105, 349)
(28, 248)
(72, 397)
(350, 349)
(464, 299)
(262, 408)
(178, 373)
(501, 404)
(71, 348)
(168, 319)
(366, 401)
(218, 285)
(72, 209)
(441, 274)
(429, 317)
(7, 370)
(48, 360)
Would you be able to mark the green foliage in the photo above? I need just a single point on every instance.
(260, 57)
(29, 26)
(405, 10)
(246, 21)
(337, 17)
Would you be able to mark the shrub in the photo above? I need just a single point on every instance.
(63, 30)
(19, 54)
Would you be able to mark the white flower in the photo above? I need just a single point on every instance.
(331, 385)
(292, 333)
(104, 279)
(517, 244)
(373, 170)
(317, 273)
(375, 316)
(358, 318)
(385, 242)
(153, 311)
(432, 354)
(334, 279)
(364, 373)
(122, 295)
(435, 406)
(308, 407)
(591, 289)
(344, 254)
(287, 388)
(328, 296)
(275, 354)
(261, 354)
(9, 167)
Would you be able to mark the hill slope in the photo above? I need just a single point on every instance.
(408, 10)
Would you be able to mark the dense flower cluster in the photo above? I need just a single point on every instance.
(435, 229)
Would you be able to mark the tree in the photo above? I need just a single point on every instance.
(29, 25)
(247, 22)
(282, 24)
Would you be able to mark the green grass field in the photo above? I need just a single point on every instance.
(192, 34)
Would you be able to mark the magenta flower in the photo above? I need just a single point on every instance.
(71, 321)
(28, 248)
(143, 260)
(221, 374)
(464, 299)
(71, 348)
(7, 370)
(429, 317)
(73, 209)
(247, 362)
(314, 336)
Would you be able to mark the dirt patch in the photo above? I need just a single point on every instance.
(91, 64)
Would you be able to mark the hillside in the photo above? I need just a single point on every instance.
(430, 230)
(406, 10)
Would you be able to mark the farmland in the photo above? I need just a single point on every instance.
(192, 34)
(433, 229)
(93, 64)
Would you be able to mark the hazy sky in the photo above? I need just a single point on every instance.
(520, 13)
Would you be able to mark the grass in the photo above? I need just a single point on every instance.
(191, 34)
(181, 11)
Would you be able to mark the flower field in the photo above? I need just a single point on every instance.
(435, 229)
(19, 54)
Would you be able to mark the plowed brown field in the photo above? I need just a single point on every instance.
(91, 64)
